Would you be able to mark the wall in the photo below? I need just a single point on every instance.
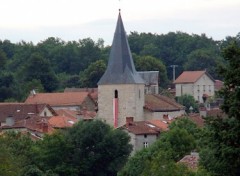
(159, 115)
(130, 98)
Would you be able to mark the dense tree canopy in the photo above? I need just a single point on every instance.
(65, 60)
(221, 155)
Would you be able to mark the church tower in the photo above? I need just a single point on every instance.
(121, 89)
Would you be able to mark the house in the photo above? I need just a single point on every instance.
(151, 81)
(158, 106)
(142, 133)
(199, 84)
(34, 125)
(66, 100)
(13, 112)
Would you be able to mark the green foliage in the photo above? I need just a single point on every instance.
(156, 52)
(149, 63)
(87, 149)
(188, 101)
(161, 157)
(221, 155)
(39, 68)
(92, 74)
(202, 59)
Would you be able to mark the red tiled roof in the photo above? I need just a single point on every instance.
(21, 110)
(62, 121)
(141, 127)
(191, 161)
(189, 76)
(93, 92)
(58, 99)
(33, 123)
(195, 118)
(218, 84)
(160, 124)
(67, 113)
(159, 103)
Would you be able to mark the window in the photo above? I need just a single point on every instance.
(45, 113)
(203, 88)
(145, 144)
(139, 93)
(145, 136)
(115, 94)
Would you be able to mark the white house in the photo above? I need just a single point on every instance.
(199, 84)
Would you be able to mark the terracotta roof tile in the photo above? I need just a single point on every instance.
(159, 103)
(58, 99)
(141, 127)
(62, 121)
(160, 124)
(189, 76)
(191, 161)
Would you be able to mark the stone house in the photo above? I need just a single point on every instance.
(199, 84)
(142, 133)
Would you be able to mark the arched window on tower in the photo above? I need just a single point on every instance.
(115, 94)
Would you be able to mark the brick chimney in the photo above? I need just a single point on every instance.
(129, 121)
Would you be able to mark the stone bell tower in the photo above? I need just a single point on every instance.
(121, 89)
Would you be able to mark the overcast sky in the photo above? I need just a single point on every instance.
(36, 20)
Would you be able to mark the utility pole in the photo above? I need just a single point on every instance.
(174, 67)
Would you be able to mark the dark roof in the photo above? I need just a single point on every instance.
(121, 69)
(21, 110)
(160, 103)
(150, 77)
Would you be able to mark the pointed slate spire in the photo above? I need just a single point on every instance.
(120, 69)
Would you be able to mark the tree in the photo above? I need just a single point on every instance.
(221, 155)
(188, 101)
(87, 149)
(202, 59)
(39, 68)
(3, 59)
(149, 63)
(160, 158)
(91, 75)
(98, 149)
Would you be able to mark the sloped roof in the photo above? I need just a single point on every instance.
(62, 121)
(160, 103)
(58, 99)
(150, 77)
(141, 127)
(93, 92)
(191, 76)
(33, 123)
(21, 110)
(160, 124)
(120, 69)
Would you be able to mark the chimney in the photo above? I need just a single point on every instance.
(129, 121)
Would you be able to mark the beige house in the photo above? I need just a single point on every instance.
(199, 84)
